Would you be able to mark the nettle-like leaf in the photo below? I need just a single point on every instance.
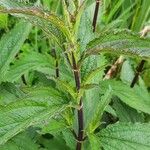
(69, 139)
(134, 97)
(55, 126)
(66, 86)
(3, 20)
(127, 76)
(85, 29)
(29, 61)
(126, 113)
(10, 45)
(22, 141)
(48, 22)
(120, 42)
(39, 106)
(99, 110)
(55, 143)
(94, 142)
(125, 137)
(9, 93)
(92, 69)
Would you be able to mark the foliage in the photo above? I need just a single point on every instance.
(52, 66)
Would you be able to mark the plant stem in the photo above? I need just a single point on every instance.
(138, 71)
(80, 129)
(80, 111)
(56, 64)
(95, 14)
(80, 137)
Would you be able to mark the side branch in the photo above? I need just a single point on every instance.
(96, 15)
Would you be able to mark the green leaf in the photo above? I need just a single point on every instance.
(111, 111)
(94, 142)
(127, 76)
(99, 110)
(56, 142)
(30, 111)
(120, 42)
(54, 126)
(114, 10)
(141, 16)
(20, 142)
(91, 100)
(93, 69)
(9, 93)
(64, 85)
(10, 45)
(3, 20)
(29, 61)
(125, 137)
(85, 29)
(126, 113)
(45, 93)
(90, 76)
(134, 97)
(48, 22)
(69, 139)
(78, 19)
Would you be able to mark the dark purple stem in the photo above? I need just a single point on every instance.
(80, 136)
(138, 71)
(96, 14)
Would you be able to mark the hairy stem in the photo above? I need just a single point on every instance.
(80, 137)
(95, 14)
(138, 71)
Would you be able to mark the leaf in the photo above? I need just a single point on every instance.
(134, 97)
(111, 111)
(9, 93)
(126, 113)
(3, 20)
(20, 142)
(69, 139)
(29, 61)
(30, 111)
(94, 142)
(54, 126)
(78, 19)
(114, 10)
(50, 94)
(125, 137)
(127, 76)
(10, 45)
(85, 29)
(141, 15)
(54, 143)
(120, 42)
(93, 69)
(99, 110)
(48, 22)
(67, 87)
(92, 74)
(91, 100)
